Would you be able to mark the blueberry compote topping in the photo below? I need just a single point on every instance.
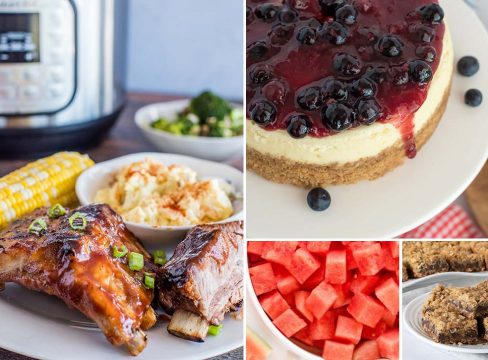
(319, 67)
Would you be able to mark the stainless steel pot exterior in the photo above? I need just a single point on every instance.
(101, 33)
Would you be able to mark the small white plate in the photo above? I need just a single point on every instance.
(210, 148)
(412, 317)
(43, 327)
(100, 176)
(408, 196)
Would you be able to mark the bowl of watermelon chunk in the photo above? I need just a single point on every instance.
(336, 300)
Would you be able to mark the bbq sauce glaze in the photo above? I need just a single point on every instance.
(320, 67)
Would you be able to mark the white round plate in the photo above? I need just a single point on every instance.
(211, 148)
(411, 194)
(43, 327)
(412, 316)
(100, 175)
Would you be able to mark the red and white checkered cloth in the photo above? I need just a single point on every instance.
(452, 223)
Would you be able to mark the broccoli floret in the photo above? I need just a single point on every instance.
(208, 105)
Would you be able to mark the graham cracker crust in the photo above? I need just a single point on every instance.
(282, 170)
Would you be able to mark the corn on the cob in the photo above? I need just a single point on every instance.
(41, 183)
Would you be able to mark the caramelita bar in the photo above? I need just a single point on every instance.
(470, 302)
(423, 258)
(444, 324)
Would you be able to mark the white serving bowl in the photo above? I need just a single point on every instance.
(288, 344)
(100, 176)
(210, 148)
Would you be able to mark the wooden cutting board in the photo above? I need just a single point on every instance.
(477, 197)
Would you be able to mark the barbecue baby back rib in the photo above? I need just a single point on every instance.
(205, 274)
(79, 267)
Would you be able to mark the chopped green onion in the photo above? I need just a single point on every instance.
(136, 261)
(38, 226)
(118, 253)
(56, 211)
(214, 330)
(77, 221)
(159, 257)
(149, 281)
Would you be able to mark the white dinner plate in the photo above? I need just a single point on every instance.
(102, 174)
(412, 317)
(411, 194)
(43, 327)
(443, 278)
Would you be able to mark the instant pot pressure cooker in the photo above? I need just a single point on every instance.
(62, 73)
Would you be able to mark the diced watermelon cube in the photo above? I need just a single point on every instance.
(323, 328)
(319, 247)
(388, 344)
(351, 263)
(321, 299)
(343, 297)
(374, 333)
(364, 284)
(354, 245)
(365, 310)
(262, 278)
(286, 283)
(300, 297)
(289, 323)
(335, 267)
(394, 248)
(302, 265)
(389, 318)
(317, 277)
(334, 350)
(273, 304)
(348, 330)
(369, 259)
(367, 350)
(304, 336)
(255, 247)
(390, 263)
(280, 252)
(388, 294)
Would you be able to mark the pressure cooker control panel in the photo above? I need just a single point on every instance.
(37, 56)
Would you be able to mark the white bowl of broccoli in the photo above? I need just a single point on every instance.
(207, 127)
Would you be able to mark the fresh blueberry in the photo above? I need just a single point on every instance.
(335, 33)
(473, 98)
(432, 14)
(390, 45)
(425, 33)
(281, 34)
(267, 12)
(318, 199)
(420, 72)
(346, 64)
(260, 74)
(311, 98)
(257, 51)
(287, 15)
(368, 111)
(299, 126)
(427, 53)
(468, 66)
(338, 117)
(263, 112)
(329, 7)
(307, 35)
(275, 91)
(335, 89)
(347, 15)
(364, 88)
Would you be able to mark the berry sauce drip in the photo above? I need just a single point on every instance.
(319, 67)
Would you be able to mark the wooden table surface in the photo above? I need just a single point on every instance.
(125, 138)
